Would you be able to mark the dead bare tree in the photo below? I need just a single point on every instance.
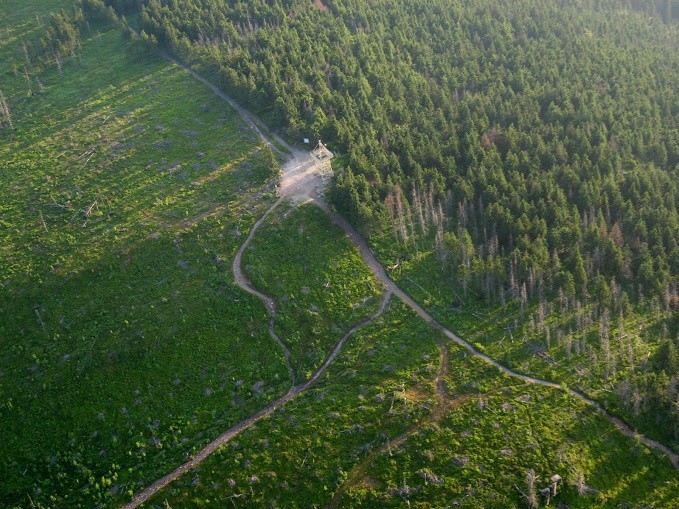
(57, 60)
(4, 111)
(402, 213)
(28, 81)
(390, 204)
(569, 344)
(417, 203)
(439, 219)
(580, 485)
(524, 298)
(530, 496)
(27, 58)
(604, 332)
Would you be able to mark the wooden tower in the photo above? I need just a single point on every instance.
(323, 156)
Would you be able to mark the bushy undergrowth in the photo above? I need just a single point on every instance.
(318, 279)
(378, 387)
(618, 353)
(479, 455)
(126, 187)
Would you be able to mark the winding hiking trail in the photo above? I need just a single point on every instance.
(301, 183)
(229, 434)
(381, 275)
(242, 281)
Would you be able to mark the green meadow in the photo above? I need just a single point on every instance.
(373, 433)
(125, 188)
(321, 285)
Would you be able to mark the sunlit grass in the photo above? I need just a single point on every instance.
(126, 187)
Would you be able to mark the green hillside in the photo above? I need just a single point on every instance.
(513, 166)
(530, 147)
(126, 187)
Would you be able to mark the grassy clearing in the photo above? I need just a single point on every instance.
(469, 375)
(378, 387)
(473, 456)
(118, 147)
(319, 280)
(126, 187)
(480, 452)
(517, 339)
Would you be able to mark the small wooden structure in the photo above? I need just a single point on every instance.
(323, 156)
(550, 491)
